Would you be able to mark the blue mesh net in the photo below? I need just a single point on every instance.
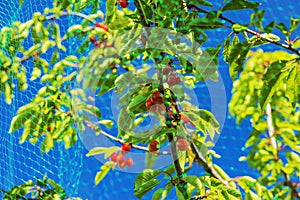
(70, 168)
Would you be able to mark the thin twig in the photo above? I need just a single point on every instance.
(288, 47)
(111, 137)
(51, 17)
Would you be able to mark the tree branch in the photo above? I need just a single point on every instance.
(271, 132)
(52, 17)
(109, 136)
(208, 168)
(288, 47)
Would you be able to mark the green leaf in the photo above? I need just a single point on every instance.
(294, 23)
(239, 28)
(237, 57)
(178, 91)
(204, 121)
(138, 101)
(226, 49)
(170, 170)
(221, 172)
(269, 28)
(91, 109)
(124, 122)
(240, 4)
(73, 30)
(48, 143)
(103, 172)
(292, 86)
(108, 84)
(273, 77)
(110, 10)
(18, 120)
(200, 2)
(36, 72)
(130, 79)
(205, 24)
(181, 191)
(145, 176)
(145, 188)
(107, 151)
(107, 123)
(194, 181)
(234, 193)
(282, 27)
(150, 160)
(26, 131)
(157, 195)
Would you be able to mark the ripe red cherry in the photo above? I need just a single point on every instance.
(170, 113)
(168, 69)
(120, 158)
(123, 3)
(121, 165)
(158, 108)
(173, 80)
(143, 39)
(149, 104)
(182, 144)
(128, 162)
(113, 157)
(126, 148)
(157, 97)
(186, 120)
(106, 44)
(92, 39)
(102, 25)
(97, 44)
(153, 146)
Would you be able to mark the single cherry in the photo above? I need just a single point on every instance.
(186, 120)
(158, 108)
(97, 44)
(149, 104)
(128, 162)
(92, 39)
(113, 157)
(120, 158)
(121, 165)
(102, 25)
(157, 97)
(173, 79)
(125, 148)
(123, 3)
(152, 147)
(106, 44)
(143, 39)
(182, 144)
(168, 69)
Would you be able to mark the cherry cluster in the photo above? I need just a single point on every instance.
(120, 157)
(93, 39)
(173, 79)
(182, 145)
